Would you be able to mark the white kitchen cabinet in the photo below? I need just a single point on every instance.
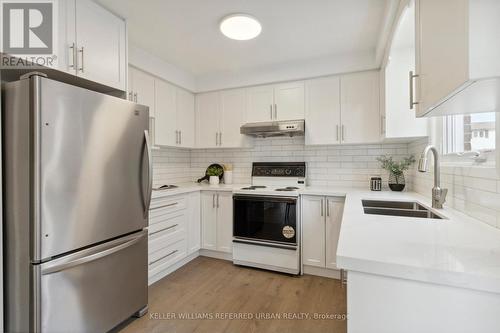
(359, 103)
(166, 133)
(217, 220)
(275, 102)
(185, 118)
(457, 52)
(322, 111)
(142, 89)
(321, 220)
(224, 203)
(92, 43)
(100, 38)
(395, 107)
(260, 104)
(194, 222)
(219, 116)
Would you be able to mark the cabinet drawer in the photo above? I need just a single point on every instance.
(164, 234)
(164, 258)
(161, 210)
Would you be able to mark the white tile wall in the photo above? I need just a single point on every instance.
(474, 191)
(349, 165)
(171, 166)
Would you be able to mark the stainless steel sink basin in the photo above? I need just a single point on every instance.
(398, 208)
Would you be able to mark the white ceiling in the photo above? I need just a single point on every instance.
(185, 32)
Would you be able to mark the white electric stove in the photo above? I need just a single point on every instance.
(266, 226)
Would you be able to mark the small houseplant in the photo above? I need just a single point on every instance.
(396, 170)
(214, 172)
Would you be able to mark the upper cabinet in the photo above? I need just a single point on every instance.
(171, 109)
(93, 43)
(457, 52)
(219, 116)
(275, 102)
(343, 109)
(395, 94)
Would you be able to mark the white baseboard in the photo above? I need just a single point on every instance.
(216, 254)
(172, 268)
(324, 272)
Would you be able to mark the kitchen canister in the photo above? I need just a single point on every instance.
(228, 177)
(376, 184)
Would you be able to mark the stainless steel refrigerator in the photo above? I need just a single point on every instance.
(77, 185)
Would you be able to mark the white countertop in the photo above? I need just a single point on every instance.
(458, 251)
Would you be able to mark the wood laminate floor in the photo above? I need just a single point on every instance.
(207, 291)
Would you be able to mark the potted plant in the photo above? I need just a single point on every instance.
(214, 173)
(396, 170)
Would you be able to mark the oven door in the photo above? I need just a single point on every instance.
(265, 219)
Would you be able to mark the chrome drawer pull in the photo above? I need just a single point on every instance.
(167, 228)
(161, 258)
(168, 205)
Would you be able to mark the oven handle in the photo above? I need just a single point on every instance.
(264, 198)
(276, 246)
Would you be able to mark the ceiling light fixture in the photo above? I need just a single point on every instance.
(240, 27)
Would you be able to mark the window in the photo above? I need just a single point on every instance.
(469, 133)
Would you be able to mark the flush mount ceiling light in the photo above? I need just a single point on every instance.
(240, 27)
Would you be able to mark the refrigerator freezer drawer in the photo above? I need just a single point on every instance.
(95, 289)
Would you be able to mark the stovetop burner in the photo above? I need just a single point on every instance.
(287, 189)
(254, 187)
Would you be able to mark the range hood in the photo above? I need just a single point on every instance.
(274, 128)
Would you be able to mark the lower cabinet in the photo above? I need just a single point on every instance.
(173, 232)
(321, 219)
(217, 220)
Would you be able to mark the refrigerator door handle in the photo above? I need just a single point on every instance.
(149, 193)
(79, 259)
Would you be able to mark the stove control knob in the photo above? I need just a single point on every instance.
(288, 172)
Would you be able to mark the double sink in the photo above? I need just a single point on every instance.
(399, 208)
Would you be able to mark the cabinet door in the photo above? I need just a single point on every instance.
(166, 133)
(232, 116)
(359, 103)
(260, 103)
(289, 101)
(66, 52)
(208, 221)
(207, 120)
(442, 49)
(322, 114)
(100, 37)
(313, 230)
(224, 203)
(334, 212)
(194, 222)
(185, 118)
(143, 87)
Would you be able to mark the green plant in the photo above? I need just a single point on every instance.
(215, 171)
(396, 167)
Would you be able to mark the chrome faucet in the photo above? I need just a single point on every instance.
(438, 193)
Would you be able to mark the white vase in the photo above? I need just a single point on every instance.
(214, 180)
(228, 177)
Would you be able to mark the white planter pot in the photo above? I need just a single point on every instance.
(214, 180)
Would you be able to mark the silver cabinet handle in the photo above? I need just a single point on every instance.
(180, 137)
(135, 97)
(342, 130)
(176, 137)
(216, 138)
(149, 192)
(220, 138)
(327, 208)
(411, 76)
(163, 257)
(321, 209)
(271, 111)
(213, 200)
(275, 111)
(338, 138)
(217, 200)
(72, 56)
(82, 64)
(164, 206)
(164, 229)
